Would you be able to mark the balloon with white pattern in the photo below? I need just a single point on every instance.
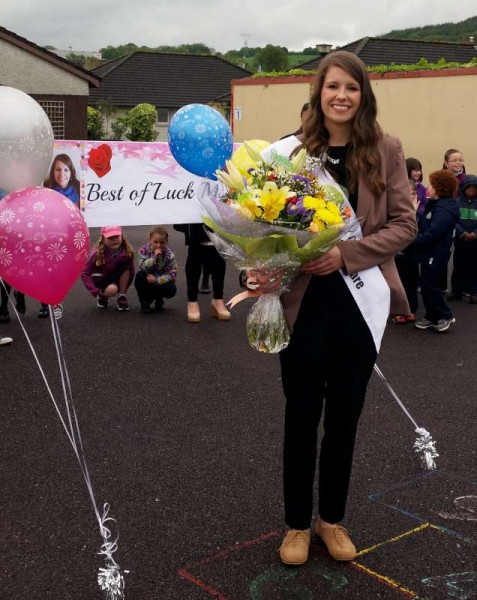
(26, 140)
(200, 139)
(44, 243)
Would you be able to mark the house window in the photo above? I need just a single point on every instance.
(164, 115)
(55, 111)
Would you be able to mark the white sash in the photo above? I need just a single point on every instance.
(368, 288)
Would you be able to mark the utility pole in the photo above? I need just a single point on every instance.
(245, 37)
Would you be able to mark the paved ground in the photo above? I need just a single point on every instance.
(181, 427)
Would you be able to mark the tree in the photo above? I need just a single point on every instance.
(272, 58)
(119, 128)
(141, 121)
(76, 59)
(95, 124)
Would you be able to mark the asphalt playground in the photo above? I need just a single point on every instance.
(181, 427)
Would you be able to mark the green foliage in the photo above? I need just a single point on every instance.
(76, 59)
(272, 58)
(94, 124)
(422, 65)
(445, 32)
(112, 52)
(119, 128)
(290, 73)
(141, 121)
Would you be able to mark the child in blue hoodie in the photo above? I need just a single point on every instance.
(464, 275)
(432, 248)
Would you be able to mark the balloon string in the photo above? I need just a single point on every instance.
(72, 431)
(394, 395)
(108, 547)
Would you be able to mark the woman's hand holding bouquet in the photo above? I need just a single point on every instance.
(272, 222)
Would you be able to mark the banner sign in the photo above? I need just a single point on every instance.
(127, 183)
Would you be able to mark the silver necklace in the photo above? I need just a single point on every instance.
(333, 161)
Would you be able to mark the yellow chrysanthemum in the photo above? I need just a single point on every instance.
(316, 226)
(273, 200)
(334, 208)
(311, 203)
(329, 217)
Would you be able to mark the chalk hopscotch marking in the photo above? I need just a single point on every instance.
(408, 593)
(185, 572)
(462, 586)
(280, 574)
(467, 506)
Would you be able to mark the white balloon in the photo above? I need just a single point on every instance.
(26, 140)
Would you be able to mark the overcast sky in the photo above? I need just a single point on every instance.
(295, 24)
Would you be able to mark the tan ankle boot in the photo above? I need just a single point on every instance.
(337, 541)
(295, 545)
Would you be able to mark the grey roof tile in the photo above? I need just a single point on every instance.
(165, 80)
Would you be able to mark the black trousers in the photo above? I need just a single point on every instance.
(408, 270)
(148, 292)
(201, 256)
(5, 294)
(432, 294)
(464, 275)
(328, 363)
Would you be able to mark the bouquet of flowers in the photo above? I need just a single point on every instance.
(271, 221)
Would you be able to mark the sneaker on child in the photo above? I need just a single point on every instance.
(44, 312)
(123, 302)
(444, 324)
(424, 324)
(102, 301)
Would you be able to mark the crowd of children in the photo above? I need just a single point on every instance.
(446, 213)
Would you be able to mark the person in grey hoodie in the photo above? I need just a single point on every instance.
(432, 248)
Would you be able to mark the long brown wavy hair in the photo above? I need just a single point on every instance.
(101, 249)
(363, 158)
(66, 160)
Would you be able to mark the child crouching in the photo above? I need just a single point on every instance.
(110, 268)
(156, 277)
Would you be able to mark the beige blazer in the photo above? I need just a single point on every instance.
(389, 226)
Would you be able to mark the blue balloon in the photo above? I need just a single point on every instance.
(200, 139)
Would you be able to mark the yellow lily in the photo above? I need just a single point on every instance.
(273, 200)
(232, 177)
(254, 154)
(298, 161)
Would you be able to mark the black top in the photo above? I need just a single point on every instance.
(338, 170)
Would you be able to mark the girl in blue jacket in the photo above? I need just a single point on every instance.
(432, 248)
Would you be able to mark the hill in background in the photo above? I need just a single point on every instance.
(446, 32)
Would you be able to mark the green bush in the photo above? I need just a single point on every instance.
(141, 121)
(95, 124)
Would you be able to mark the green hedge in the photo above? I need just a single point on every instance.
(422, 65)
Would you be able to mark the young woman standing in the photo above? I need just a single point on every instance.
(334, 342)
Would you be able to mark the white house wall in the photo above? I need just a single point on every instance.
(33, 75)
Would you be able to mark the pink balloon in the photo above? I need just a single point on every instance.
(44, 243)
